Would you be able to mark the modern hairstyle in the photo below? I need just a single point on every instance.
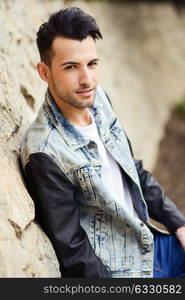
(71, 23)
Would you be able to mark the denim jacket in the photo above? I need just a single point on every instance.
(118, 242)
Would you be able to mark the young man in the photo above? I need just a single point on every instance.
(91, 198)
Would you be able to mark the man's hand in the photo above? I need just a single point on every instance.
(180, 234)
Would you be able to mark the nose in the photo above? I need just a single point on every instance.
(85, 77)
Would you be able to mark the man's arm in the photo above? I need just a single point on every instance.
(160, 207)
(58, 214)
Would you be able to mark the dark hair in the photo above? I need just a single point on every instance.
(72, 23)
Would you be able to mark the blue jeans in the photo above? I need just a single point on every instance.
(169, 257)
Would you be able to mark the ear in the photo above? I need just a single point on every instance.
(43, 71)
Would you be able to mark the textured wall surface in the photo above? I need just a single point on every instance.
(25, 251)
(143, 70)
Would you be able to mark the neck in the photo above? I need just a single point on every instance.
(77, 117)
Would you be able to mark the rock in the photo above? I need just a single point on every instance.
(25, 251)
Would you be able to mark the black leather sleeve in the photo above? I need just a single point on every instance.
(160, 207)
(57, 211)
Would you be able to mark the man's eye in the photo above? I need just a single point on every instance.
(93, 64)
(70, 67)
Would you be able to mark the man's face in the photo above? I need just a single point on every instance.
(73, 72)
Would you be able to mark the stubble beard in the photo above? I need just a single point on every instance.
(79, 104)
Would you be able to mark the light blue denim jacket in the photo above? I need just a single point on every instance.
(123, 243)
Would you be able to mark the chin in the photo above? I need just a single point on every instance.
(86, 103)
(90, 103)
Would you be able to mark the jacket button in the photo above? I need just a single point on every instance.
(90, 145)
(142, 224)
(146, 249)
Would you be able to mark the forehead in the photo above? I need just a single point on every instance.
(66, 49)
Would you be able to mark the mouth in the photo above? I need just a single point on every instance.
(86, 92)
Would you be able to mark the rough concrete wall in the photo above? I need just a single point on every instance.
(143, 68)
(25, 251)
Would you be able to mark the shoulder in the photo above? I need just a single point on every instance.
(37, 137)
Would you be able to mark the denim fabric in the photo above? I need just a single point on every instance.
(169, 257)
(123, 243)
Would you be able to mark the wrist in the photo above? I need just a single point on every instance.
(180, 229)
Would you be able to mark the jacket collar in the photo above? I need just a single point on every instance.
(69, 133)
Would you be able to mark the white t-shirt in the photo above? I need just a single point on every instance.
(110, 171)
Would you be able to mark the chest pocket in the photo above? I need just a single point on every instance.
(87, 177)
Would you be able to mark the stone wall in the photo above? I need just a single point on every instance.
(25, 251)
(143, 69)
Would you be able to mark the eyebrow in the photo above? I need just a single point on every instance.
(76, 63)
